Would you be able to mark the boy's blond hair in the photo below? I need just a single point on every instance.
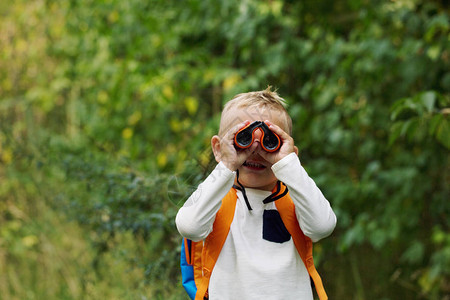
(265, 99)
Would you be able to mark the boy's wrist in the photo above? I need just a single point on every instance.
(226, 167)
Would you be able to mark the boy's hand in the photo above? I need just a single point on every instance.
(225, 151)
(286, 148)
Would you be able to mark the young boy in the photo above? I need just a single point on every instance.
(258, 259)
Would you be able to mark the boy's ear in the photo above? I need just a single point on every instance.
(296, 150)
(215, 146)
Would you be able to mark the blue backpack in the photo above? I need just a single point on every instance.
(187, 269)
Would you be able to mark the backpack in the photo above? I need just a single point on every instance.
(198, 258)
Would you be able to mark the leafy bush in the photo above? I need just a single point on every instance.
(107, 109)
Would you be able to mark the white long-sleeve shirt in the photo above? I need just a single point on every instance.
(252, 264)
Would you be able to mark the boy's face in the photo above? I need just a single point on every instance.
(255, 172)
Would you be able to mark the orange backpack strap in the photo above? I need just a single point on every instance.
(286, 208)
(196, 260)
(214, 242)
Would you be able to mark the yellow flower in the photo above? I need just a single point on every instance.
(6, 156)
(127, 133)
(29, 240)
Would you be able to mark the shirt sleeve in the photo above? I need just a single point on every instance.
(314, 213)
(195, 219)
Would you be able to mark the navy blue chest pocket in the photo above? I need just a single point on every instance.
(273, 227)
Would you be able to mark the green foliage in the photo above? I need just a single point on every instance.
(421, 117)
(107, 109)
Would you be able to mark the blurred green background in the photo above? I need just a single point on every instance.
(107, 108)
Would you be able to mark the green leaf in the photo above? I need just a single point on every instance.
(434, 123)
(395, 132)
(443, 133)
(428, 100)
(414, 253)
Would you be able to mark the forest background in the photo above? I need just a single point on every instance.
(107, 108)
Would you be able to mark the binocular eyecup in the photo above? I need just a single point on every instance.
(244, 138)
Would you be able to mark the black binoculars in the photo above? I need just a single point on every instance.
(270, 141)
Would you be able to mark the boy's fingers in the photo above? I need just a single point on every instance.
(286, 148)
(232, 132)
(229, 155)
(240, 126)
(280, 132)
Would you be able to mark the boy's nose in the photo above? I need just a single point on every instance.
(258, 135)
